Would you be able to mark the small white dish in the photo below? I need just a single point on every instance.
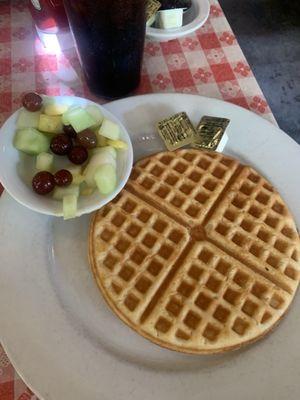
(17, 169)
(193, 19)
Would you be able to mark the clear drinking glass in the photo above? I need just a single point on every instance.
(109, 36)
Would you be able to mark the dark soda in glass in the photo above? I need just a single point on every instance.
(109, 35)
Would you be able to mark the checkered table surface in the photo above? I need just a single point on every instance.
(209, 62)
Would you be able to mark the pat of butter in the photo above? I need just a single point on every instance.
(222, 144)
(172, 18)
(219, 148)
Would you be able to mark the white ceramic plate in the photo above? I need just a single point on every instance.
(67, 344)
(193, 19)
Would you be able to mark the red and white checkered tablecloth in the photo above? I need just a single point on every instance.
(209, 62)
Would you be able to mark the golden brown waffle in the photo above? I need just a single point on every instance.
(198, 253)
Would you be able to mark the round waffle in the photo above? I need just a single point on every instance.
(198, 253)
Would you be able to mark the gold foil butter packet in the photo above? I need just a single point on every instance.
(176, 131)
(152, 7)
(210, 133)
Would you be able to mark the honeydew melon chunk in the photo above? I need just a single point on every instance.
(85, 190)
(74, 169)
(55, 109)
(80, 119)
(27, 119)
(88, 191)
(96, 161)
(50, 123)
(44, 162)
(104, 150)
(106, 178)
(117, 144)
(64, 117)
(109, 129)
(31, 141)
(60, 192)
(96, 113)
(78, 179)
(102, 141)
(70, 206)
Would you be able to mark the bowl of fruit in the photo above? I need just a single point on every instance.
(64, 156)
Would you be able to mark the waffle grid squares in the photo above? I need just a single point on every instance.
(179, 194)
(209, 302)
(204, 299)
(253, 222)
(129, 243)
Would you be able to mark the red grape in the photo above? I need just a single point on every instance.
(69, 130)
(32, 101)
(87, 138)
(63, 177)
(78, 155)
(61, 144)
(43, 183)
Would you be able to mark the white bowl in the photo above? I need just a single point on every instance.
(17, 169)
(193, 19)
